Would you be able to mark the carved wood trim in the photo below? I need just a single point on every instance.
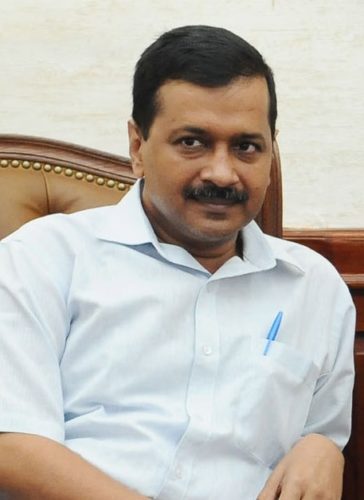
(343, 247)
(66, 154)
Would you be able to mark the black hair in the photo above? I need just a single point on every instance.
(203, 55)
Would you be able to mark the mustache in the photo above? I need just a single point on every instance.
(211, 192)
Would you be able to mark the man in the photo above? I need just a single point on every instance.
(165, 347)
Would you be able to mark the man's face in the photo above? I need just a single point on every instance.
(206, 162)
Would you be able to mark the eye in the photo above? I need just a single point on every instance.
(191, 142)
(247, 147)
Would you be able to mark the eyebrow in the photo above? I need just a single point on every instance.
(246, 136)
(193, 130)
(250, 137)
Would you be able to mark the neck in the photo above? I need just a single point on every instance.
(211, 256)
(213, 262)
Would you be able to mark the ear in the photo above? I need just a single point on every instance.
(135, 148)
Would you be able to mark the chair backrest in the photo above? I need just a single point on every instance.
(41, 176)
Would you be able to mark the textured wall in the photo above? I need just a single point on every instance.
(66, 70)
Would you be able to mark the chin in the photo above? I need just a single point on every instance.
(213, 236)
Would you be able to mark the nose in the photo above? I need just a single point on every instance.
(220, 169)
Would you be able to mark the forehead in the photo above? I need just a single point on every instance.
(243, 103)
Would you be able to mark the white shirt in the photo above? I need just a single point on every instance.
(132, 354)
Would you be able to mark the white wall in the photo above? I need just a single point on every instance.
(66, 70)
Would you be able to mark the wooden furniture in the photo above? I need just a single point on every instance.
(41, 176)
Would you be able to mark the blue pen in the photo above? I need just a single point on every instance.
(272, 334)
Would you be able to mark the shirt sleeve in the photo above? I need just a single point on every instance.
(330, 411)
(33, 328)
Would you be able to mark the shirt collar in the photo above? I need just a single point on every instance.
(260, 252)
(264, 251)
(127, 222)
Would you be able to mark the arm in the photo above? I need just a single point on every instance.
(34, 467)
(34, 323)
(313, 468)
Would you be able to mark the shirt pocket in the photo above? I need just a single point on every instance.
(274, 400)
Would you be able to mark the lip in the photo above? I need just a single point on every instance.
(216, 202)
(216, 205)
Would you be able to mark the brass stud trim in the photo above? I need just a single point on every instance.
(69, 172)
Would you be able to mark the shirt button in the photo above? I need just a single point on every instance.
(207, 350)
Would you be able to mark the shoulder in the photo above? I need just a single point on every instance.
(52, 244)
(310, 262)
(321, 285)
(74, 229)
